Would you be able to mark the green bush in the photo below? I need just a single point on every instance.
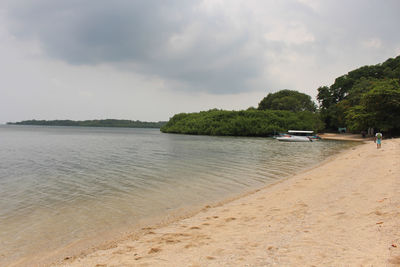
(242, 123)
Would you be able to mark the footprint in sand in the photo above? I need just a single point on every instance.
(191, 245)
(172, 241)
(154, 250)
(378, 213)
(230, 219)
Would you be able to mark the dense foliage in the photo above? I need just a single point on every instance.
(241, 123)
(368, 97)
(93, 123)
(379, 107)
(287, 100)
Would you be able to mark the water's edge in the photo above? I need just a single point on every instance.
(150, 224)
(65, 192)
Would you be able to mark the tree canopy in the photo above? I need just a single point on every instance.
(242, 123)
(379, 107)
(277, 112)
(287, 100)
(365, 97)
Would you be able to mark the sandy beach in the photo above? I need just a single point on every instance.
(345, 212)
(345, 137)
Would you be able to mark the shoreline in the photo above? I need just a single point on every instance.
(88, 245)
(334, 213)
(72, 241)
(345, 137)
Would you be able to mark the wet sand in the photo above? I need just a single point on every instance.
(345, 137)
(345, 212)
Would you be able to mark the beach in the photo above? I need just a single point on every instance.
(344, 212)
(345, 137)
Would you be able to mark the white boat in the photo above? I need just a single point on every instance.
(297, 136)
(293, 138)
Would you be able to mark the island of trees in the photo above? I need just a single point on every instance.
(367, 97)
(277, 112)
(241, 123)
(93, 123)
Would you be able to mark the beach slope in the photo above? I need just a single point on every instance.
(345, 212)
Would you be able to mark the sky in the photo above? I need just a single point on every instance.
(150, 59)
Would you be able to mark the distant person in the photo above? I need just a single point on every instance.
(378, 140)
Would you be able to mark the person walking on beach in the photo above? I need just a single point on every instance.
(378, 140)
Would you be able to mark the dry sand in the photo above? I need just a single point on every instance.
(345, 212)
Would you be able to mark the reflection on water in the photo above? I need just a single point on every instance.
(62, 184)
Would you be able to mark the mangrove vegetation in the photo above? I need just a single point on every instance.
(277, 112)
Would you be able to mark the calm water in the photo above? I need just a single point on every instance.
(59, 185)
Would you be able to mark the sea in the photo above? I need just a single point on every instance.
(70, 187)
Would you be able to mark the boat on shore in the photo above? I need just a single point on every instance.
(298, 136)
(293, 138)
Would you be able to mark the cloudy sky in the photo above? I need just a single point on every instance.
(150, 59)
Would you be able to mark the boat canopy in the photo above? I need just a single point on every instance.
(296, 131)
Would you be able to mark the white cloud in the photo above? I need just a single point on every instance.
(293, 33)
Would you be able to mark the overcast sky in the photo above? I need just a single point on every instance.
(149, 59)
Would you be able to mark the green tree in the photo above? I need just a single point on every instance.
(325, 97)
(379, 108)
(242, 123)
(287, 100)
(383, 105)
(343, 104)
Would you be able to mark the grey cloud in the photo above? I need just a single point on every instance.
(138, 34)
(95, 31)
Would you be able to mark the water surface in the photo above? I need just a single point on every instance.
(60, 185)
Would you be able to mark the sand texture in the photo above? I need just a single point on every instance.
(345, 212)
(344, 137)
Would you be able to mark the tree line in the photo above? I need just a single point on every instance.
(367, 97)
(277, 112)
(93, 123)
